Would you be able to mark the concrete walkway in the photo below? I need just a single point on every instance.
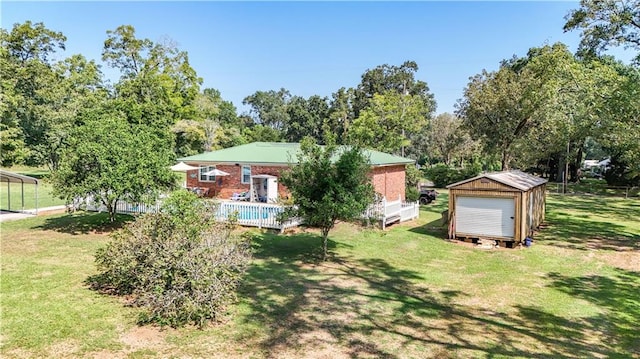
(6, 216)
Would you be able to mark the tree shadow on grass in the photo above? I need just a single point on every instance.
(626, 209)
(84, 223)
(619, 294)
(369, 308)
(580, 233)
(434, 228)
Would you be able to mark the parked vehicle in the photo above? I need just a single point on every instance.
(427, 196)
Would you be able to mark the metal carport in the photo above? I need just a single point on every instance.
(9, 178)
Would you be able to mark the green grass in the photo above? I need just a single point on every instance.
(596, 187)
(400, 293)
(11, 194)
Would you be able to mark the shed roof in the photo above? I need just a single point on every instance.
(6, 176)
(516, 179)
(279, 153)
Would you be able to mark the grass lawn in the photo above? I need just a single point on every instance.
(14, 191)
(400, 293)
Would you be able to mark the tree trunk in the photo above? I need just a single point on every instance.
(504, 161)
(111, 208)
(325, 238)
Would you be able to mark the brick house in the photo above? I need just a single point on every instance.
(254, 169)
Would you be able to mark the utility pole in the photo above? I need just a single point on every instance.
(566, 169)
(404, 93)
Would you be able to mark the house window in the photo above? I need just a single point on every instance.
(205, 178)
(246, 174)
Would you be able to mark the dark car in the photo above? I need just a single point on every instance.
(427, 196)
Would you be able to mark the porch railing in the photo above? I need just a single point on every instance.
(388, 212)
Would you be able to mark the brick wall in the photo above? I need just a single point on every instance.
(225, 186)
(388, 181)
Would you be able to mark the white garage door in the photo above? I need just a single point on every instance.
(483, 216)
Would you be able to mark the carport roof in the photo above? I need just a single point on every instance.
(516, 179)
(6, 176)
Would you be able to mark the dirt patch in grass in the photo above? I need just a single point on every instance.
(628, 260)
(144, 337)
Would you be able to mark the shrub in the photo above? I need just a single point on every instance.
(179, 265)
(412, 194)
(443, 175)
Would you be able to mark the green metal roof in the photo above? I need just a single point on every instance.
(278, 153)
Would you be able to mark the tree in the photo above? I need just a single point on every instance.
(389, 78)
(158, 86)
(306, 118)
(328, 184)
(620, 129)
(606, 23)
(76, 88)
(28, 81)
(269, 108)
(110, 160)
(388, 121)
(341, 113)
(180, 266)
(448, 140)
(577, 110)
(500, 107)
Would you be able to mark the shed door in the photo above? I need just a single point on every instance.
(482, 216)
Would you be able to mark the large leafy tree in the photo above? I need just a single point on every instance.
(269, 108)
(620, 130)
(110, 160)
(448, 140)
(216, 125)
(12, 139)
(498, 108)
(388, 121)
(306, 118)
(77, 88)
(328, 184)
(576, 110)
(158, 87)
(278, 115)
(28, 80)
(341, 113)
(606, 23)
(390, 78)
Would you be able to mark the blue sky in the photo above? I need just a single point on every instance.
(314, 48)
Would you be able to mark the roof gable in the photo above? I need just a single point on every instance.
(279, 153)
(515, 179)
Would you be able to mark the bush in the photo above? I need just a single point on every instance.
(179, 265)
(443, 175)
(412, 194)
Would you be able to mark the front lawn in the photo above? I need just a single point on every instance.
(400, 293)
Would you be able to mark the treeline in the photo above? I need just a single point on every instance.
(544, 112)
(44, 100)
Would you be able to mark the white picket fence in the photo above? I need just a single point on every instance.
(253, 214)
(89, 204)
(249, 214)
(264, 215)
(388, 212)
